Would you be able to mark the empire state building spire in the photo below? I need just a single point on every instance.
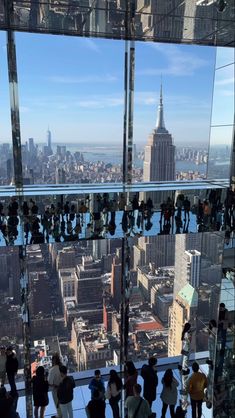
(160, 125)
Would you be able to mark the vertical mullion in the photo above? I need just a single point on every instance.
(18, 179)
(125, 293)
(15, 115)
(130, 111)
(125, 116)
(24, 285)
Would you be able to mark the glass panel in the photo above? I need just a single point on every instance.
(172, 122)
(208, 23)
(6, 155)
(72, 117)
(223, 98)
(224, 56)
(224, 369)
(220, 152)
(11, 319)
(209, 291)
(70, 291)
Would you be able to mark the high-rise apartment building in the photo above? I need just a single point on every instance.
(49, 144)
(68, 283)
(184, 243)
(65, 258)
(89, 286)
(154, 249)
(191, 267)
(116, 282)
(183, 310)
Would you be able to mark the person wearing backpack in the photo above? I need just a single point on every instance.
(137, 407)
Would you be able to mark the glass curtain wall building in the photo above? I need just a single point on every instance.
(117, 196)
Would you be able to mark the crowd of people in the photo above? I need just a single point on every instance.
(197, 387)
(136, 406)
(96, 217)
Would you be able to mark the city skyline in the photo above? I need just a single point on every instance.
(89, 86)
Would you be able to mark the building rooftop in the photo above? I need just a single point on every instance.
(190, 295)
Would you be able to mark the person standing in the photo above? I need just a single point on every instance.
(223, 324)
(113, 392)
(96, 407)
(40, 392)
(54, 379)
(97, 383)
(186, 339)
(6, 404)
(149, 375)
(169, 393)
(65, 393)
(131, 376)
(136, 406)
(212, 342)
(11, 369)
(3, 360)
(196, 385)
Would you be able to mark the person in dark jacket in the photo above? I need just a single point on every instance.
(149, 374)
(97, 383)
(113, 392)
(96, 407)
(6, 404)
(40, 392)
(130, 378)
(65, 393)
(11, 369)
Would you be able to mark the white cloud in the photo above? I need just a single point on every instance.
(180, 62)
(100, 102)
(106, 78)
(226, 93)
(24, 109)
(225, 81)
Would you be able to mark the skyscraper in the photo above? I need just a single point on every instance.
(183, 244)
(49, 147)
(159, 158)
(192, 261)
(116, 281)
(183, 310)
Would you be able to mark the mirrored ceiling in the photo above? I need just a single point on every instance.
(207, 22)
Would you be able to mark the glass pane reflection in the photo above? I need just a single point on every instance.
(112, 215)
(70, 112)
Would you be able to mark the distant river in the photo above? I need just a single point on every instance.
(113, 155)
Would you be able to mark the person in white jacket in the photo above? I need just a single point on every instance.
(54, 380)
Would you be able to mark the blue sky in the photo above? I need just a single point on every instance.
(75, 85)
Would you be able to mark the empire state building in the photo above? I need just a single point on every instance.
(159, 156)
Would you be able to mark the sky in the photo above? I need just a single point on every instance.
(76, 87)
